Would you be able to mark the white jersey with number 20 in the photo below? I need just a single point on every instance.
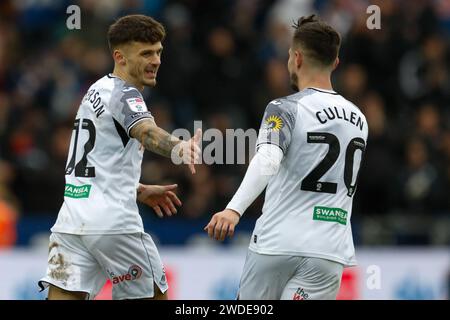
(308, 203)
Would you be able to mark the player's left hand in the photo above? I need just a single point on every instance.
(222, 224)
(158, 197)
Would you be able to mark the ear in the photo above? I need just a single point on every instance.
(119, 58)
(336, 63)
(298, 59)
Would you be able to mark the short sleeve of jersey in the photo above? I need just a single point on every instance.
(277, 124)
(129, 108)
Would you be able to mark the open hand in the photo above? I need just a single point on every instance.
(159, 197)
(222, 224)
(191, 152)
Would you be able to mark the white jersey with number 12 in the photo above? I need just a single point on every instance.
(104, 163)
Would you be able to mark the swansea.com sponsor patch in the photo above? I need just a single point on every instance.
(77, 192)
(330, 214)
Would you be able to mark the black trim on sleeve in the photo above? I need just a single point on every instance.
(122, 134)
(130, 126)
(268, 142)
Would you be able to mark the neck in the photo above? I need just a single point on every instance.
(316, 79)
(120, 73)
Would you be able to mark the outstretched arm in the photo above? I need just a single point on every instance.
(157, 140)
(263, 166)
(153, 138)
(273, 140)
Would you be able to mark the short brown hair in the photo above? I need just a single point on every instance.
(319, 40)
(135, 27)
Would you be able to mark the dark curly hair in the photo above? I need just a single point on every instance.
(319, 40)
(135, 27)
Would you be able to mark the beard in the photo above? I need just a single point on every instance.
(149, 82)
(134, 73)
(139, 75)
(294, 82)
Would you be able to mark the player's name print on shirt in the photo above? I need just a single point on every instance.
(93, 97)
(334, 113)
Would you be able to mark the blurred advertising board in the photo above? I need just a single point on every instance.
(213, 274)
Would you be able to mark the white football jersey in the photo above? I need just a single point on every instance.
(104, 162)
(308, 203)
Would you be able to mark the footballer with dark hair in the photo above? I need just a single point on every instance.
(309, 152)
(99, 234)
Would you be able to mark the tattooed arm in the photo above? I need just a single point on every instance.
(157, 140)
(153, 138)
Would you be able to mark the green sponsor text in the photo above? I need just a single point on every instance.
(330, 214)
(77, 191)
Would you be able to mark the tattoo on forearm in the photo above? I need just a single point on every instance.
(159, 141)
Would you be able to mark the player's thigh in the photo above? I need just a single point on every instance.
(315, 279)
(55, 293)
(132, 263)
(265, 276)
(71, 269)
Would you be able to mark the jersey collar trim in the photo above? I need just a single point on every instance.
(323, 90)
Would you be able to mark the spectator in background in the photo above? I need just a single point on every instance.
(424, 71)
(429, 128)
(375, 190)
(420, 184)
(353, 82)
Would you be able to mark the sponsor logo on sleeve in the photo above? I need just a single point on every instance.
(273, 123)
(136, 104)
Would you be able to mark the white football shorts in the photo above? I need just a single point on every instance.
(83, 263)
(275, 277)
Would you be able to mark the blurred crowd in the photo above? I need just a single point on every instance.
(223, 61)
